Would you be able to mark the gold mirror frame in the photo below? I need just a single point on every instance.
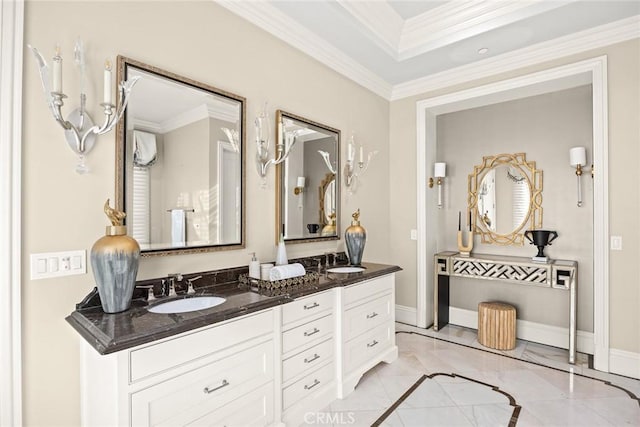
(322, 192)
(533, 218)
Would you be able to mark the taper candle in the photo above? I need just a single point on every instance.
(469, 219)
(361, 154)
(459, 219)
(57, 71)
(107, 82)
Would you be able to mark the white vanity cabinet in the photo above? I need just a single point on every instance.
(308, 347)
(367, 333)
(218, 375)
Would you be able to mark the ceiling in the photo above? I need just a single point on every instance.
(398, 48)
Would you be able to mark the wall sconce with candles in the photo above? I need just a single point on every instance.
(439, 172)
(351, 173)
(285, 142)
(80, 131)
(578, 159)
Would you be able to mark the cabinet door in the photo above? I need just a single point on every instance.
(195, 394)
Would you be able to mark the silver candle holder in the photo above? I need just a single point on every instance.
(80, 130)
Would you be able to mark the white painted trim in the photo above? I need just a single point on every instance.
(12, 32)
(597, 70)
(530, 331)
(270, 19)
(604, 35)
(455, 21)
(624, 363)
(406, 315)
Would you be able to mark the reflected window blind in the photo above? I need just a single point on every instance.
(139, 225)
(520, 203)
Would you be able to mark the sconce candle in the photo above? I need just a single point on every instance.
(439, 172)
(107, 82)
(57, 71)
(351, 173)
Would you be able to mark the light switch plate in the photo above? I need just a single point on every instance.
(58, 264)
(616, 243)
(414, 234)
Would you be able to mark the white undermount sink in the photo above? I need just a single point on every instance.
(345, 270)
(186, 305)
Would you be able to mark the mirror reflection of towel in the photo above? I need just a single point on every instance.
(145, 151)
(178, 227)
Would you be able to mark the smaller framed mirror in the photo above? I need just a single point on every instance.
(307, 185)
(505, 198)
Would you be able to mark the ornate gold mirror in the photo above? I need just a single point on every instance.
(307, 185)
(505, 198)
(180, 152)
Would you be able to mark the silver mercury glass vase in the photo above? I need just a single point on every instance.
(114, 259)
(356, 237)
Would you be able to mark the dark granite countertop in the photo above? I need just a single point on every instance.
(109, 333)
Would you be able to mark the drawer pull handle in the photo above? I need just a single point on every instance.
(309, 307)
(373, 344)
(309, 387)
(315, 357)
(208, 390)
(372, 315)
(315, 331)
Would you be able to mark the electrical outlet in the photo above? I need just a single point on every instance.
(58, 264)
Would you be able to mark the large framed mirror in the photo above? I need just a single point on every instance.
(307, 185)
(180, 173)
(505, 198)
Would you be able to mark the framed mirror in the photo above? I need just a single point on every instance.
(180, 173)
(307, 185)
(505, 198)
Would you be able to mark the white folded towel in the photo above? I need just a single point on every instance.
(178, 232)
(280, 272)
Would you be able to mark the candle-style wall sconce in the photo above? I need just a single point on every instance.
(352, 169)
(80, 131)
(578, 159)
(439, 172)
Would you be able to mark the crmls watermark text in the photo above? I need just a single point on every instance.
(330, 418)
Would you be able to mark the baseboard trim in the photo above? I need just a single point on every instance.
(530, 331)
(408, 315)
(625, 363)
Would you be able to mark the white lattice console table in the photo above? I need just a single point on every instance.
(557, 274)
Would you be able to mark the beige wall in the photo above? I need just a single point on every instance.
(63, 210)
(624, 196)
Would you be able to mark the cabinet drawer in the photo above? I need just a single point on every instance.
(307, 385)
(368, 289)
(367, 316)
(308, 306)
(161, 356)
(197, 393)
(366, 347)
(308, 359)
(304, 334)
(253, 409)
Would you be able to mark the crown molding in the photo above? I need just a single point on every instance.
(383, 24)
(270, 19)
(456, 21)
(604, 35)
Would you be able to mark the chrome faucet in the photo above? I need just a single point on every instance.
(190, 290)
(171, 280)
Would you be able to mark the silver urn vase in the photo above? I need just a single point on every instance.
(114, 259)
(355, 236)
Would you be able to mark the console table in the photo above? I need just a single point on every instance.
(556, 274)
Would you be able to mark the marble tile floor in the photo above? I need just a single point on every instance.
(457, 373)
